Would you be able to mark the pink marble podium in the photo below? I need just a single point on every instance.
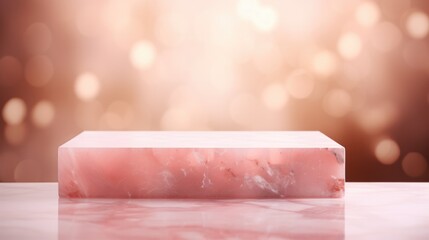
(201, 165)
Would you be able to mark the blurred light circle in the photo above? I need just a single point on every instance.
(417, 24)
(414, 164)
(142, 55)
(416, 54)
(265, 18)
(274, 96)
(176, 118)
(324, 63)
(337, 103)
(38, 38)
(28, 171)
(246, 9)
(43, 114)
(87, 86)
(367, 13)
(377, 118)
(386, 37)
(8, 162)
(299, 84)
(119, 115)
(39, 70)
(387, 151)
(10, 70)
(349, 45)
(15, 134)
(14, 111)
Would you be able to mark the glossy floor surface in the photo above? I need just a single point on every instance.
(368, 211)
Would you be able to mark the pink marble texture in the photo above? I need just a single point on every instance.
(368, 211)
(201, 165)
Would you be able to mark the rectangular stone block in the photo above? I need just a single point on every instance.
(228, 164)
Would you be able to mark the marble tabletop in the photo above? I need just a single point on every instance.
(368, 211)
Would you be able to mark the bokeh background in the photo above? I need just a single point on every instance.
(356, 70)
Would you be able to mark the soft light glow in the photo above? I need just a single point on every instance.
(15, 134)
(119, 115)
(265, 19)
(324, 63)
(274, 96)
(337, 103)
(176, 118)
(39, 70)
(377, 118)
(386, 37)
(246, 9)
(299, 84)
(142, 55)
(87, 86)
(367, 13)
(417, 25)
(14, 111)
(171, 29)
(43, 114)
(10, 70)
(349, 45)
(414, 164)
(38, 38)
(387, 151)
(28, 170)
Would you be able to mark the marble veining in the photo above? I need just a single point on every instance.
(201, 165)
(368, 211)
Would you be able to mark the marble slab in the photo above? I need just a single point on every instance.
(368, 211)
(153, 164)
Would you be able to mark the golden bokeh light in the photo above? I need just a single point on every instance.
(246, 9)
(176, 118)
(377, 118)
(299, 84)
(414, 164)
(274, 96)
(43, 114)
(367, 13)
(324, 63)
(38, 38)
(349, 45)
(387, 151)
(14, 111)
(337, 103)
(354, 70)
(39, 70)
(263, 17)
(119, 115)
(417, 24)
(142, 55)
(87, 86)
(386, 37)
